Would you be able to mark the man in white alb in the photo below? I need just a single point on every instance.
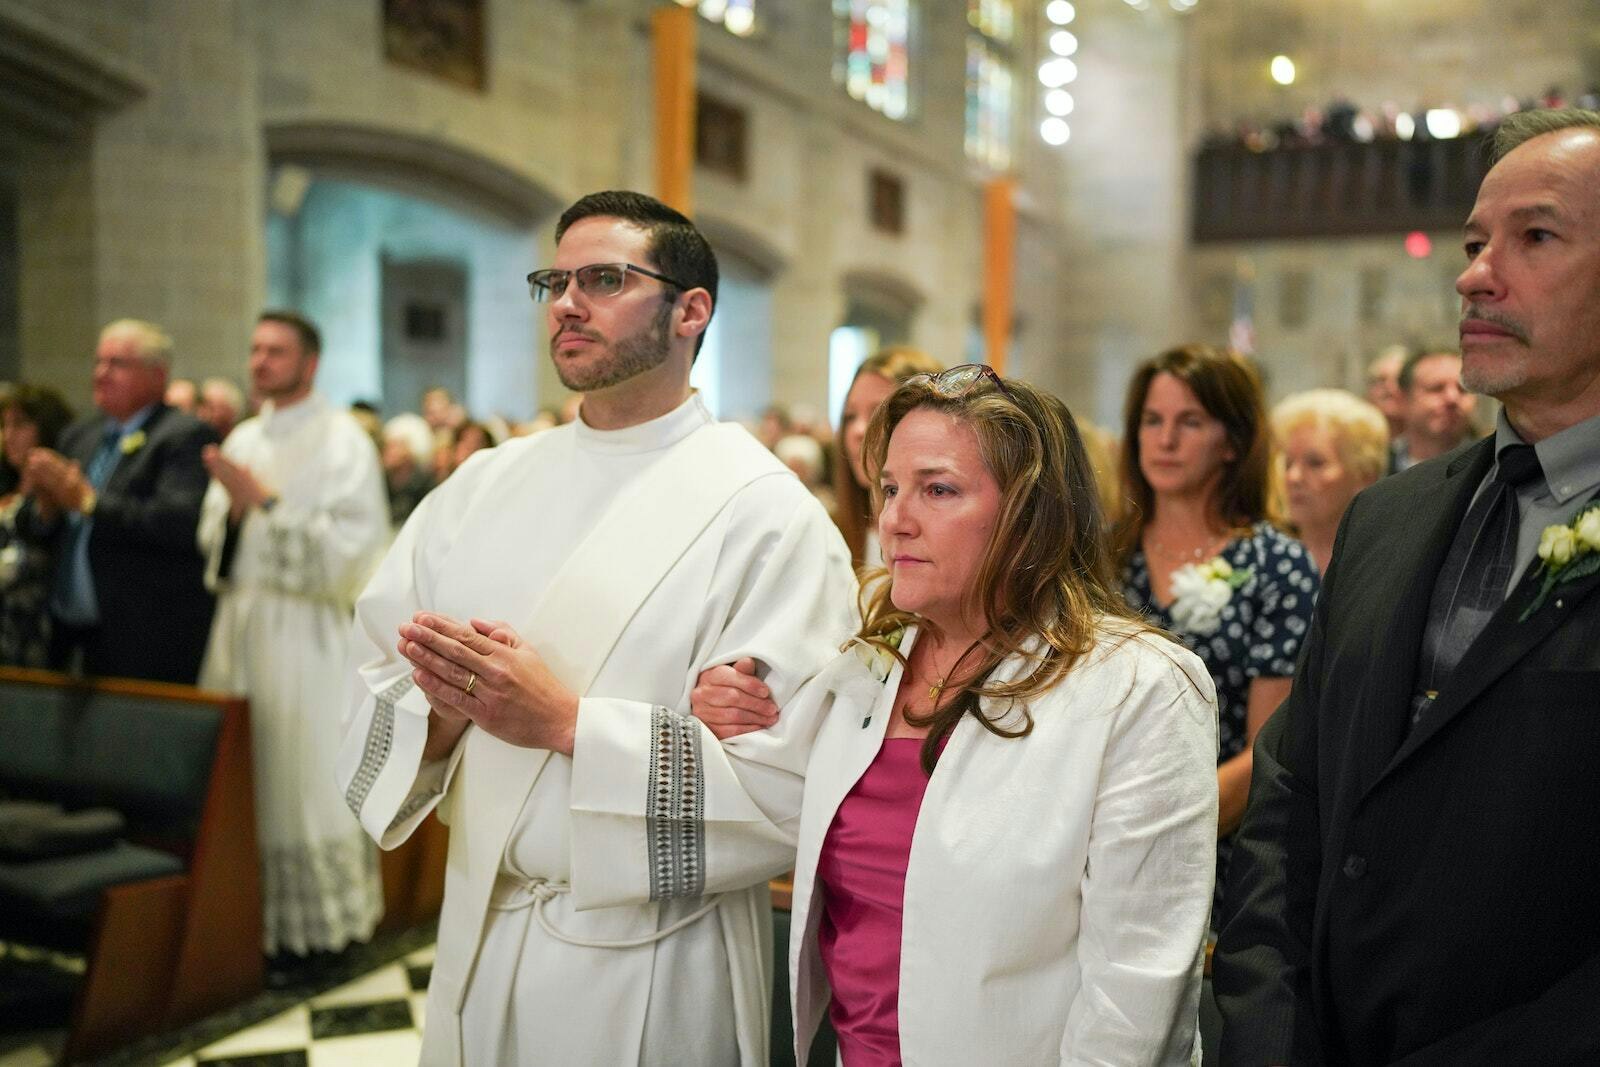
(291, 527)
(524, 657)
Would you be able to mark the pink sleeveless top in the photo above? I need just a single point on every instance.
(862, 872)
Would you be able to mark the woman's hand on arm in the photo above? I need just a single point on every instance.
(730, 700)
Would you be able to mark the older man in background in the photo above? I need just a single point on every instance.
(182, 395)
(1383, 388)
(1438, 410)
(220, 405)
(123, 494)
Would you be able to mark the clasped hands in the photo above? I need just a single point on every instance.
(245, 490)
(481, 672)
(55, 482)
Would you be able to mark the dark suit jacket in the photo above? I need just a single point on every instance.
(155, 612)
(1431, 898)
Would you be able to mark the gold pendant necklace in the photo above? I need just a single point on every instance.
(937, 687)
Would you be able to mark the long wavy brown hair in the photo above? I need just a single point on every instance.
(1044, 587)
(853, 512)
(1229, 388)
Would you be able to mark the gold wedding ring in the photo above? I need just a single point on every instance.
(472, 680)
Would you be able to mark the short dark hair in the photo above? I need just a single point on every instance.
(41, 406)
(1408, 369)
(1523, 126)
(305, 330)
(676, 248)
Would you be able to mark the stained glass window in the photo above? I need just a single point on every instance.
(989, 82)
(872, 49)
(739, 16)
(989, 94)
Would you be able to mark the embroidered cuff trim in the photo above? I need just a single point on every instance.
(414, 803)
(380, 739)
(675, 808)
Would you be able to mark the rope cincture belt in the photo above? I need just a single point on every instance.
(540, 891)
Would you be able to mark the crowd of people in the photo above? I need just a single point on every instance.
(1341, 122)
(1032, 714)
(1006, 802)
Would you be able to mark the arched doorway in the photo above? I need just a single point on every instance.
(411, 255)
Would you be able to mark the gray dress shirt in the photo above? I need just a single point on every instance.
(1571, 462)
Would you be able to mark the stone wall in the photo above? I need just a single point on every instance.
(160, 209)
(1323, 309)
(157, 213)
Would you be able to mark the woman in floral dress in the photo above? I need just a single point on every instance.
(1198, 555)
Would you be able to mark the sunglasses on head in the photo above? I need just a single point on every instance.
(959, 381)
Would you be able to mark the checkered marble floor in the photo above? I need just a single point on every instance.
(375, 1019)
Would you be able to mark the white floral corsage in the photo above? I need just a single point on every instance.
(132, 443)
(1201, 590)
(1567, 553)
(874, 657)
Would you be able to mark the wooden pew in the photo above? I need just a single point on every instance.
(160, 951)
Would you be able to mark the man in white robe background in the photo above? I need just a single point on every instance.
(617, 557)
(292, 526)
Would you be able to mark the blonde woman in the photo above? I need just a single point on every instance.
(1332, 445)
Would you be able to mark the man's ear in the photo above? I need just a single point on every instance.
(694, 313)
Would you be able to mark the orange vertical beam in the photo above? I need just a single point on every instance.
(672, 32)
(999, 268)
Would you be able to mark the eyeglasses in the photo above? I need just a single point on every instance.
(958, 381)
(597, 279)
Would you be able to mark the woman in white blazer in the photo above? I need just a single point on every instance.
(1006, 841)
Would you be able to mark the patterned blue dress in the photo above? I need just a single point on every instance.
(1259, 630)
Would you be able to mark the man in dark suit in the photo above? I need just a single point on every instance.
(1417, 879)
(123, 496)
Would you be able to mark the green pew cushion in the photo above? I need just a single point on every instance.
(53, 901)
(149, 758)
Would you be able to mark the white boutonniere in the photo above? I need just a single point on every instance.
(1567, 553)
(879, 661)
(132, 443)
(1201, 590)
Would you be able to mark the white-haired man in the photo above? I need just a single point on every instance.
(123, 495)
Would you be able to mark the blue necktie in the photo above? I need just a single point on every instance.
(73, 600)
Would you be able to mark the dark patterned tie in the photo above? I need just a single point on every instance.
(1472, 584)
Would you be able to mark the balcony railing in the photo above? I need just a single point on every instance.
(1338, 189)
